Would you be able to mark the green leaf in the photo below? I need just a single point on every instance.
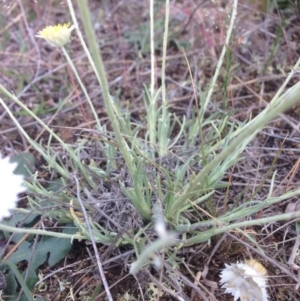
(51, 249)
(55, 185)
(27, 220)
(11, 289)
(26, 162)
(21, 281)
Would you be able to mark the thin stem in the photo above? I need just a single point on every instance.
(70, 62)
(103, 278)
(62, 171)
(284, 103)
(101, 76)
(152, 83)
(164, 121)
(204, 236)
(221, 59)
(239, 214)
(152, 113)
(272, 103)
(151, 249)
(41, 232)
(164, 54)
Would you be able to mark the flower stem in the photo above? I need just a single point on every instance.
(101, 76)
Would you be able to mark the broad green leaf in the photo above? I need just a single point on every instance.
(26, 162)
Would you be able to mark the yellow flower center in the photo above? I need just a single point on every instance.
(258, 267)
(57, 35)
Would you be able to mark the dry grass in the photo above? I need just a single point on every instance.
(263, 49)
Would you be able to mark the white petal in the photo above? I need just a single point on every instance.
(10, 187)
(246, 281)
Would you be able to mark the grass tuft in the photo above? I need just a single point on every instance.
(153, 181)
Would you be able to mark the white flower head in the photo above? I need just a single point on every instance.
(58, 35)
(160, 227)
(245, 280)
(10, 186)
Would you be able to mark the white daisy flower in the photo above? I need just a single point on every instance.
(58, 35)
(10, 187)
(247, 281)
